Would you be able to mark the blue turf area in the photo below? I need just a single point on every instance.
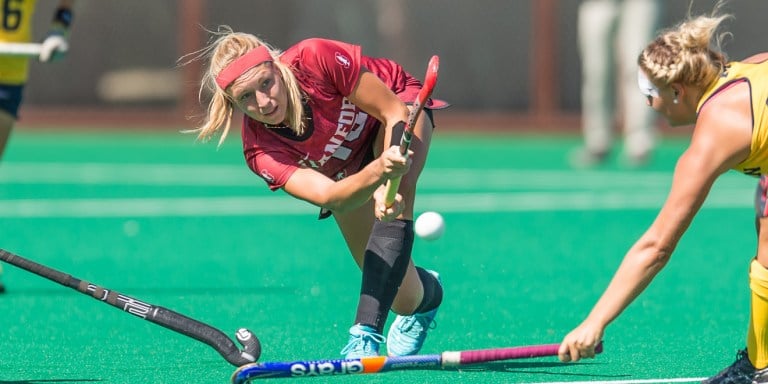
(529, 246)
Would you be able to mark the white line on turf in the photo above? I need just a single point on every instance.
(483, 190)
(284, 205)
(238, 175)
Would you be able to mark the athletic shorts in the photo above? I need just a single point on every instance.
(10, 98)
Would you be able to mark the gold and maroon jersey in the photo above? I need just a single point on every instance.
(756, 75)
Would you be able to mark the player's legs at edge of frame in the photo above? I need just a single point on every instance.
(751, 365)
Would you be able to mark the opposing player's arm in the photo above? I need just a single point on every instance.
(691, 183)
(720, 141)
(757, 58)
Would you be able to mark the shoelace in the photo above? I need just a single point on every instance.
(363, 340)
(408, 325)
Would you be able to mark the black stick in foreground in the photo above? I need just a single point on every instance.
(158, 315)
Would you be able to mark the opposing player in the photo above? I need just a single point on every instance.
(16, 27)
(687, 78)
(322, 122)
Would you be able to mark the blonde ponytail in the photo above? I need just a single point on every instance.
(689, 53)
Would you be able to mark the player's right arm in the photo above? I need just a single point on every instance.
(720, 141)
(646, 257)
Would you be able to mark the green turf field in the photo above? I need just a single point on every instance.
(529, 246)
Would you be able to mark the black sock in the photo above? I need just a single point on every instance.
(384, 265)
(433, 291)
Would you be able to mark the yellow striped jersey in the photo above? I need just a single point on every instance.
(15, 27)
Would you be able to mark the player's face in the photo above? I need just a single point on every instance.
(666, 100)
(671, 105)
(260, 93)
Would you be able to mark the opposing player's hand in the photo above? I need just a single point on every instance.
(54, 47)
(393, 163)
(382, 212)
(580, 343)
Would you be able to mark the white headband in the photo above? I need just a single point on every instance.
(646, 86)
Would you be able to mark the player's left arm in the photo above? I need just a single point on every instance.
(375, 98)
(56, 43)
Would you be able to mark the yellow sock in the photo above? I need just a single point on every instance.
(757, 335)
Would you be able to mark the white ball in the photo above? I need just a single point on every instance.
(429, 226)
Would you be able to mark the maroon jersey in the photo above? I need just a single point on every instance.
(339, 137)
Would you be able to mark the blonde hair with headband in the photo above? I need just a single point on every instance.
(230, 55)
(231, 72)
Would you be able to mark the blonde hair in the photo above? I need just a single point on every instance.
(689, 53)
(226, 46)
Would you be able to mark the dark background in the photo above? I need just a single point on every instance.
(502, 57)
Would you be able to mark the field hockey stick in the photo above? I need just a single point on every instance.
(21, 49)
(430, 79)
(249, 373)
(158, 315)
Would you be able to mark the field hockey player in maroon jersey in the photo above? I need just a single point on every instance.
(323, 122)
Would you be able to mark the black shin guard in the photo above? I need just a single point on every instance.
(386, 261)
(433, 291)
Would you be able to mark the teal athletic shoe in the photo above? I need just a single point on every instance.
(407, 333)
(363, 342)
